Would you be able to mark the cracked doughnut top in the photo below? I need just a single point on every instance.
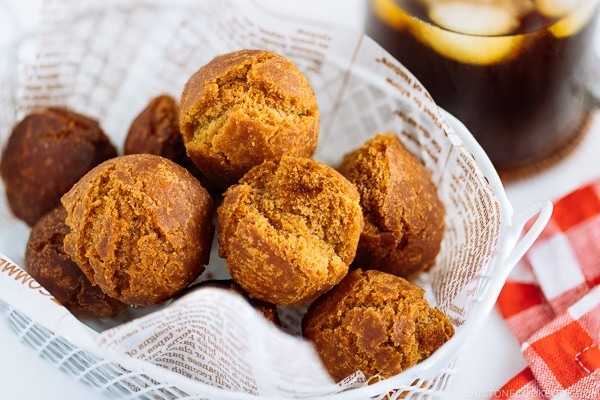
(141, 227)
(289, 230)
(246, 107)
(374, 322)
(404, 216)
(47, 263)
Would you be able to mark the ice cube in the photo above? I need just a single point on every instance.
(576, 19)
(465, 48)
(390, 13)
(556, 8)
(469, 49)
(482, 19)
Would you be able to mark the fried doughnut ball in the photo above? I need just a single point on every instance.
(289, 230)
(155, 130)
(141, 227)
(246, 107)
(47, 263)
(374, 322)
(46, 153)
(404, 216)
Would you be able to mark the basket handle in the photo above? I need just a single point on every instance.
(541, 211)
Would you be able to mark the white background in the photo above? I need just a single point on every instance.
(488, 361)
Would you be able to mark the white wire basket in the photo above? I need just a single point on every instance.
(154, 49)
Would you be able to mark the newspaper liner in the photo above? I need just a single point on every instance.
(107, 60)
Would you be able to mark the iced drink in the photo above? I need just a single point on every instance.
(513, 71)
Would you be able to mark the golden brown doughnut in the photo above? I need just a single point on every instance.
(141, 227)
(289, 230)
(155, 130)
(404, 216)
(47, 263)
(246, 107)
(374, 322)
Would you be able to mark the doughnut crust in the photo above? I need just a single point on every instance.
(141, 227)
(374, 322)
(155, 130)
(246, 107)
(47, 263)
(47, 152)
(289, 230)
(404, 216)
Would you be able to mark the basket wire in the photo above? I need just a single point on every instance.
(119, 382)
(100, 373)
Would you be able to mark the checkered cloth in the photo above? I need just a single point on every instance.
(551, 303)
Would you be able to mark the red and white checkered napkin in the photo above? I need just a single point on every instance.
(551, 302)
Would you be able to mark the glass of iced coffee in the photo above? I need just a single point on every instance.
(513, 71)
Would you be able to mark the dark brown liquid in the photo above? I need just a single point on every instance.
(520, 109)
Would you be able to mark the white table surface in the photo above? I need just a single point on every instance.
(486, 363)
